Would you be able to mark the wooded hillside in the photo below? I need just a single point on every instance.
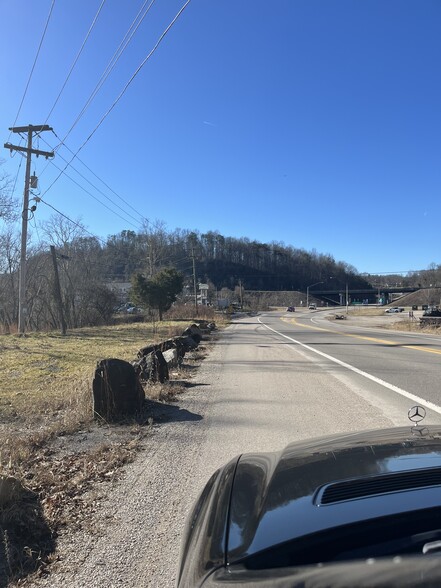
(87, 266)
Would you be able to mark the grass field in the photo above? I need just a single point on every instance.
(43, 371)
(50, 441)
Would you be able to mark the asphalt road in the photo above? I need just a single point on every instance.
(270, 380)
(406, 363)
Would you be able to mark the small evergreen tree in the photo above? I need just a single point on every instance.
(158, 292)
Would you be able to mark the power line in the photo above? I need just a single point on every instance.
(138, 220)
(123, 91)
(72, 221)
(100, 179)
(143, 218)
(97, 199)
(76, 58)
(35, 61)
(113, 61)
(17, 174)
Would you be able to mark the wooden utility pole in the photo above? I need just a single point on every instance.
(30, 130)
(194, 282)
(58, 291)
(241, 294)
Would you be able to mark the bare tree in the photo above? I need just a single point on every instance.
(9, 264)
(60, 232)
(155, 240)
(8, 205)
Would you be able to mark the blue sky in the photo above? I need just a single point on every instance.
(315, 123)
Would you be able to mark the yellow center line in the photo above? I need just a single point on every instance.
(364, 337)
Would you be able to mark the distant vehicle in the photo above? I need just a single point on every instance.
(313, 306)
(291, 309)
(394, 309)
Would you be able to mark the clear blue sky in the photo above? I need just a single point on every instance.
(316, 123)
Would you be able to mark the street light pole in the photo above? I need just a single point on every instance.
(307, 292)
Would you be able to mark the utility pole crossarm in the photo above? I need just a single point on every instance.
(31, 129)
(36, 152)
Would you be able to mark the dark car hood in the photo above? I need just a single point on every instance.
(323, 483)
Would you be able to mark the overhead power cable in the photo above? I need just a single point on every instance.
(113, 61)
(100, 201)
(141, 219)
(123, 91)
(100, 179)
(76, 58)
(72, 221)
(35, 61)
(16, 176)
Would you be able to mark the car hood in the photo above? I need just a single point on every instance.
(318, 484)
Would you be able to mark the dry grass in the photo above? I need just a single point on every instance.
(44, 372)
(45, 397)
(364, 311)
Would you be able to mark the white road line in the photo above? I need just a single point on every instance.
(352, 368)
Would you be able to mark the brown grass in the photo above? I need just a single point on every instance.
(43, 373)
(364, 311)
(45, 396)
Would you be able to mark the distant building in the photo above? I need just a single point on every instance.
(203, 294)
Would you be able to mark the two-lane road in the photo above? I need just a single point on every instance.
(407, 363)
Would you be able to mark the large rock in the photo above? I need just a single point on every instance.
(146, 350)
(117, 391)
(152, 367)
(187, 343)
(11, 490)
(205, 326)
(171, 358)
(195, 332)
(26, 541)
(163, 346)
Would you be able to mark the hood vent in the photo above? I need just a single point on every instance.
(375, 485)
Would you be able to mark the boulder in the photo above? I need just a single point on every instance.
(117, 391)
(146, 350)
(187, 343)
(205, 326)
(195, 332)
(152, 367)
(171, 358)
(11, 490)
(168, 344)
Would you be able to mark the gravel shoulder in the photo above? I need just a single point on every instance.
(133, 536)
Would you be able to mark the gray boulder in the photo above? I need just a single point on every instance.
(171, 358)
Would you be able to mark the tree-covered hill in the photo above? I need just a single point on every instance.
(223, 261)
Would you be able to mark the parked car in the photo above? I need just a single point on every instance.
(361, 509)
